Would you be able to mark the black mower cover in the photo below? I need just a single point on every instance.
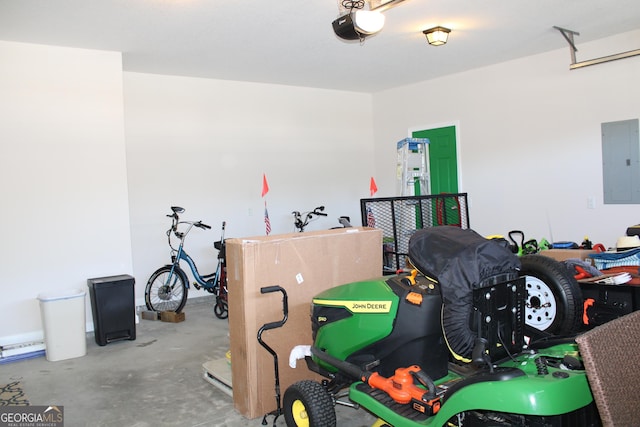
(461, 260)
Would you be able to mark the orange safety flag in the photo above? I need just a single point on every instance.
(373, 188)
(265, 185)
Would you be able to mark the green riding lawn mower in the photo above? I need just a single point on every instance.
(475, 335)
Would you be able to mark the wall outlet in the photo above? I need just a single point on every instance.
(591, 202)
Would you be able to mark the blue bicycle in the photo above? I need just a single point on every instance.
(168, 286)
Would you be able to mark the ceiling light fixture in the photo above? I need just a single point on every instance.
(437, 36)
(358, 24)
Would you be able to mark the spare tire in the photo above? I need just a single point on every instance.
(554, 299)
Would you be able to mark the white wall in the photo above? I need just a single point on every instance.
(78, 204)
(529, 134)
(63, 178)
(204, 145)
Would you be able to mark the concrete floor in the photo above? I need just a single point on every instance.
(154, 380)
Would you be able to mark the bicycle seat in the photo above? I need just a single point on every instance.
(177, 209)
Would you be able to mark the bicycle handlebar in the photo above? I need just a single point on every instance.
(175, 222)
(318, 211)
(301, 223)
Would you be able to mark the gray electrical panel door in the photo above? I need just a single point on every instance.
(621, 162)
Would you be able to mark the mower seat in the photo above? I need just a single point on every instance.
(479, 279)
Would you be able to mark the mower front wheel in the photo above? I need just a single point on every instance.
(308, 404)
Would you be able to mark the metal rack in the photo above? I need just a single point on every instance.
(400, 217)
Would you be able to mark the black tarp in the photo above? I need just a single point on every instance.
(460, 260)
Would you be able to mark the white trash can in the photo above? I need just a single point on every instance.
(64, 324)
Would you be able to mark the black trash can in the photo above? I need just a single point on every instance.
(113, 308)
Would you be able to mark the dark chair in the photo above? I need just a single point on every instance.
(611, 354)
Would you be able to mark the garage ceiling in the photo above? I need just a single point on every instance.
(292, 42)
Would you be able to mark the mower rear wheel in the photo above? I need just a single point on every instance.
(308, 404)
(554, 298)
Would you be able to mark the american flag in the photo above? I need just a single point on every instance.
(267, 223)
(371, 220)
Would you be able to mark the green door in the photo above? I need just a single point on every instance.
(443, 173)
(443, 161)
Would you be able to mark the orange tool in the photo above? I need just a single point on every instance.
(402, 389)
(582, 273)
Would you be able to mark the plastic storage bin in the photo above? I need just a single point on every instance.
(113, 308)
(64, 324)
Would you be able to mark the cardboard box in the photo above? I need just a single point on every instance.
(172, 316)
(304, 264)
(565, 254)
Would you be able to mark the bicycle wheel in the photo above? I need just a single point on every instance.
(221, 308)
(166, 291)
